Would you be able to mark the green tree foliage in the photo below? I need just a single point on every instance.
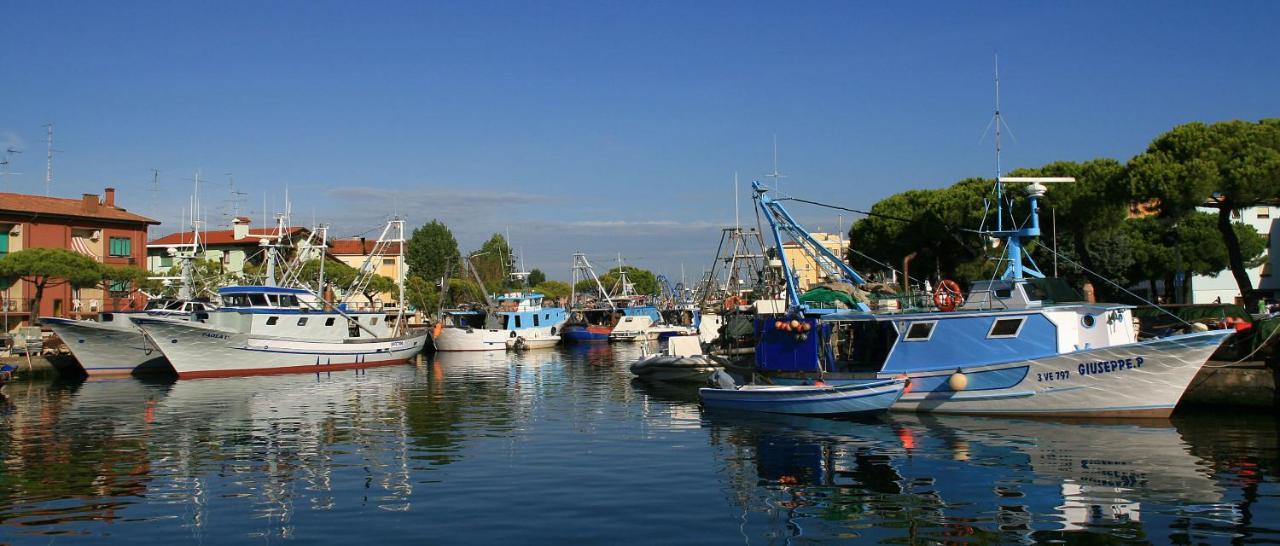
(537, 277)
(1193, 245)
(463, 291)
(642, 281)
(339, 277)
(927, 223)
(1228, 165)
(431, 251)
(553, 290)
(48, 267)
(136, 278)
(421, 294)
(493, 263)
(207, 276)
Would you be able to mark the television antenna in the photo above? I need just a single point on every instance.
(48, 173)
(4, 167)
(775, 175)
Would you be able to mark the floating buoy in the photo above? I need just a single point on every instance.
(1199, 327)
(795, 324)
(804, 327)
(958, 381)
(778, 325)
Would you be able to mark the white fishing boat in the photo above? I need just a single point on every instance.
(273, 329)
(113, 344)
(266, 329)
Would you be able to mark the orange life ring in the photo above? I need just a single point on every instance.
(947, 296)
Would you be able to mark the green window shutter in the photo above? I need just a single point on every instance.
(120, 286)
(121, 246)
(4, 240)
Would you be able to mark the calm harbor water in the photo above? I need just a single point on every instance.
(556, 446)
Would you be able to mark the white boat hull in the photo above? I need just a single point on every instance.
(520, 343)
(199, 350)
(475, 339)
(1143, 379)
(107, 349)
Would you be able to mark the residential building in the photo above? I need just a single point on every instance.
(92, 226)
(232, 248)
(1222, 287)
(355, 251)
(805, 267)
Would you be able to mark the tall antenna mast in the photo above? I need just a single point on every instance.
(737, 223)
(775, 175)
(999, 189)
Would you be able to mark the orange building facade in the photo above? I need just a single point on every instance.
(92, 226)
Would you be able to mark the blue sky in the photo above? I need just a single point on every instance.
(604, 127)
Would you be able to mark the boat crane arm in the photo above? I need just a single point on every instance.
(780, 220)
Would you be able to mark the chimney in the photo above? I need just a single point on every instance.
(240, 228)
(90, 202)
(109, 197)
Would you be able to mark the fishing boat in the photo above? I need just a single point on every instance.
(596, 319)
(816, 398)
(518, 321)
(682, 360)
(1007, 348)
(275, 329)
(114, 344)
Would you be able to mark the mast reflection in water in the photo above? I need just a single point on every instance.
(565, 446)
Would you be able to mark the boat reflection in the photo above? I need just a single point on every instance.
(945, 478)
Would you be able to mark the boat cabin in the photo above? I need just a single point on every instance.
(1009, 321)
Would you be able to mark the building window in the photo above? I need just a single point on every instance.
(119, 287)
(1264, 213)
(388, 261)
(120, 247)
(4, 238)
(1006, 328)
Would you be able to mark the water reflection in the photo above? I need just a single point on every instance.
(942, 478)
(451, 446)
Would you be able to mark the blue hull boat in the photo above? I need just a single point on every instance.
(844, 399)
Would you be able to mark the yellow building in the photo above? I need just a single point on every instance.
(354, 251)
(804, 266)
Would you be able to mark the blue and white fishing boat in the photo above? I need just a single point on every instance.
(624, 312)
(818, 398)
(1006, 349)
(520, 321)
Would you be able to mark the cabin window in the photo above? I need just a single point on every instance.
(288, 301)
(302, 321)
(517, 320)
(373, 321)
(353, 328)
(535, 321)
(1087, 321)
(237, 300)
(271, 321)
(1006, 328)
(258, 300)
(108, 317)
(328, 321)
(920, 331)
(1004, 293)
(273, 300)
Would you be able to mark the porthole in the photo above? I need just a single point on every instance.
(1087, 321)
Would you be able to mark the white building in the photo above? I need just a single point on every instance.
(1222, 288)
